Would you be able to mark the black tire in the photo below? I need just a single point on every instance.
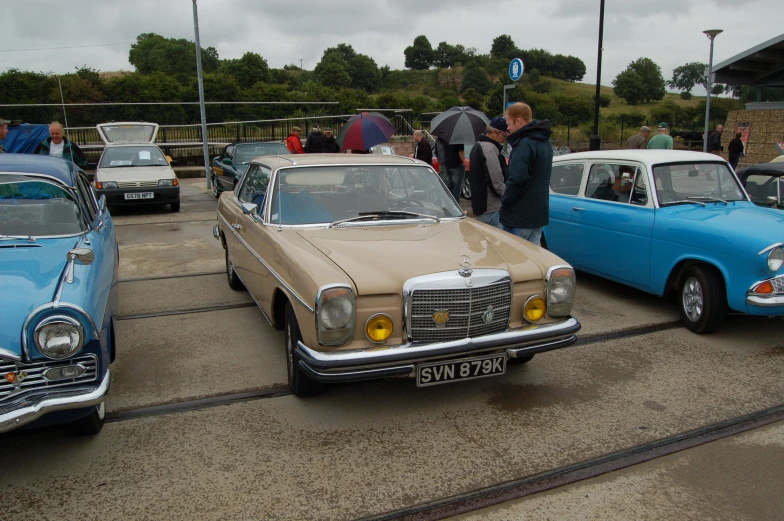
(521, 360)
(702, 299)
(92, 424)
(234, 281)
(465, 190)
(216, 191)
(175, 207)
(299, 383)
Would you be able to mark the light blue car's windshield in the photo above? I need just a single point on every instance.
(702, 181)
(324, 194)
(245, 153)
(35, 207)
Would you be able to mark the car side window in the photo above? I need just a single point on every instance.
(87, 197)
(612, 182)
(566, 179)
(229, 150)
(254, 186)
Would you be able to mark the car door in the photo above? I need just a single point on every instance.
(565, 183)
(614, 222)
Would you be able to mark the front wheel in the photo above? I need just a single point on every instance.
(703, 300)
(465, 191)
(93, 423)
(234, 281)
(175, 207)
(299, 383)
(215, 190)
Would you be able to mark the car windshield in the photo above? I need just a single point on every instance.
(765, 189)
(326, 194)
(701, 182)
(246, 153)
(31, 206)
(129, 156)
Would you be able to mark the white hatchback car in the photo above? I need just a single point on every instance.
(132, 169)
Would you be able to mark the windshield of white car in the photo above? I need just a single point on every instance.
(702, 182)
(32, 207)
(327, 194)
(245, 153)
(130, 156)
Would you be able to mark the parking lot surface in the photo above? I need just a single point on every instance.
(202, 425)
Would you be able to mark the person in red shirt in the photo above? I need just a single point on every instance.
(293, 143)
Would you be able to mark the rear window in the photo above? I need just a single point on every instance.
(125, 156)
(35, 207)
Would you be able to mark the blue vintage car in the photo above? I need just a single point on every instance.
(58, 274)
(667, 221)
(228, 167)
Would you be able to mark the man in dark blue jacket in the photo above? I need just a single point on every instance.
(525, 204)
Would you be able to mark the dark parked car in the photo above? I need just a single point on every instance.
(764, 183)
(228, 167)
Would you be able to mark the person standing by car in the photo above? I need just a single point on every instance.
(525, 204)
(639, 140)
(454, 156)
(488, 173)
(332, 146)
(293, 142)
(58, 146)
(423, 151)
(662, 140)
(316, 142)
(735, 149)
(714, 141)
(3, 133)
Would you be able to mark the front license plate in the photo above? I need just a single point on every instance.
(436, 373)
(140, 195)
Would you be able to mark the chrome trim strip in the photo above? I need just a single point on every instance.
(358, 375)
(68, 273)
(273, 272)
(12, 420)
(25, 349)
(773, 300)
(371, 317)
(771, 247)
(540, 348)
(254, 299)
(9, 355)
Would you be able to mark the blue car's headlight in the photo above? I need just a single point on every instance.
(775, 259)
(59, 337)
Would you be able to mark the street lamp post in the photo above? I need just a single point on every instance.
(596, 143)
(200, 82)
(711, 34)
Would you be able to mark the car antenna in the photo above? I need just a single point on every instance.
(280, 206)
(65, 116)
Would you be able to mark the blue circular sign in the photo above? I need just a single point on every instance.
(516, 69)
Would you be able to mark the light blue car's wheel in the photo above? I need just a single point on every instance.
(693, 299)
(703, 299)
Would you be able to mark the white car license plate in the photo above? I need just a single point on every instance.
(140, 195)
(435, 373)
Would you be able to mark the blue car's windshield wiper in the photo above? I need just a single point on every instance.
(705, 198)
(17, 237)
(684, 201)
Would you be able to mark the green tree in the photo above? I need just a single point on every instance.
(685, 77)
(364, 73)
(446, 56)
(640, 82)
(670, 112)
(474, 77)
(248, 70)
(419, 56)
(503, 47)
(176, 57)
(332, 71)
(473, 98)
(630, 86)
(578, 109)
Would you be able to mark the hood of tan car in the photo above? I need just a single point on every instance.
(135, 173)
(380, 259)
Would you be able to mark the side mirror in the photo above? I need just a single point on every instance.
(773, 200)
(101, 204)
(83, 256)
(249, 208)
(227, 161)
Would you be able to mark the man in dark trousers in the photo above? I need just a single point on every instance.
(488, 173)
(736, 149)
(423, 151)
(525, 205)
(316, 142)
(714, 141)
(332, 146)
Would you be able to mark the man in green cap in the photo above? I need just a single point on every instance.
(662, 140)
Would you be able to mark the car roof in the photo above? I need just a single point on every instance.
(334, 159)
(643, 156)
(61, 169)
(772, 169)
(119, 145)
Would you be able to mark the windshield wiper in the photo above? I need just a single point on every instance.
(684, 201)
(705, 198)
(364, 216)
(17, 237)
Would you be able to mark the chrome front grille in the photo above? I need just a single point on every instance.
(136, 184)
(34, 379)
(467, 308)
(778, 284)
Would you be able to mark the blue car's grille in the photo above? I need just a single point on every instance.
(30, 377)
(778, 284)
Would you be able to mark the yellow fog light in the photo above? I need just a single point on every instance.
(378, 328)
(534, 309)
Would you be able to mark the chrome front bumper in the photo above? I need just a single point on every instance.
(400, 361)
(63, 399)
(767, 299)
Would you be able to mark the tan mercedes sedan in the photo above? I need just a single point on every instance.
(373, 271)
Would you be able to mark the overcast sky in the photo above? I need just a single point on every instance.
(667, 31)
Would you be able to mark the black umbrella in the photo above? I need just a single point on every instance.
(459, 125)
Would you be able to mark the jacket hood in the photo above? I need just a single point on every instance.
(380, 259)
(29, 275)
(486, 139)
(540, 130)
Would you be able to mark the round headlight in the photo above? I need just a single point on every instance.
(534, 309)
(775, 259)
(378, 328)
(59, 337)
(335, 315)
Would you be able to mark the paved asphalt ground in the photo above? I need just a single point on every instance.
(639, 420)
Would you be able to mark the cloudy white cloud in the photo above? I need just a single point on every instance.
(667, 31)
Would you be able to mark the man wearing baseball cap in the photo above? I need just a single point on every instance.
(3, 133)
(293, 142)
(662, 140)
(487, 176)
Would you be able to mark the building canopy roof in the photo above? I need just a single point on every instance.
(760, 66)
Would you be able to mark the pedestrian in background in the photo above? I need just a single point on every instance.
(293, 142)
(454, 156)
(332, 146)
(440, 153)
(714, 141)
(3, 133)
(423, 150)
(639, 140)
(316, 142)
(735, 149)
(525, 204)
(58, 146)
(662, 140)
(488, 173)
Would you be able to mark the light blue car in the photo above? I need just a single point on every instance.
(58, 274)
(667, 221)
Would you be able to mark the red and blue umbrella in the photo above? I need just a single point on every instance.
(365, 130)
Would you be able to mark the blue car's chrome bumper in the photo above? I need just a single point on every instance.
(34, 407)
(766, 303)
(399, 361)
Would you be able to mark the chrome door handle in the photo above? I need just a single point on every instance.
(578, 209)
(236, 226)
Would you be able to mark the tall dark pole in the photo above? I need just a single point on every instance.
(596, 142)
(200, 82)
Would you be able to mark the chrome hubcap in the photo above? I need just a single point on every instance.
(215, 187)
(693, 299)
(229, 267)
